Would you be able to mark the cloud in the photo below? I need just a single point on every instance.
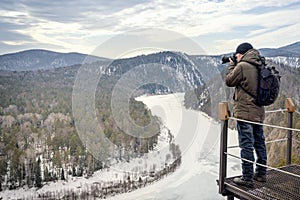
(265, 29)
(82, 25)
(146, 40)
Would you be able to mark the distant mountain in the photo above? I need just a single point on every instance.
(288, 55)
(292, 50)
(38, 59)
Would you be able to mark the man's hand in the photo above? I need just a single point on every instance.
(231, 61)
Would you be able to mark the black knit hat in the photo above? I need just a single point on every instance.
(243, 48)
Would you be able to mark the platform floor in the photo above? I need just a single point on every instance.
(279, 186)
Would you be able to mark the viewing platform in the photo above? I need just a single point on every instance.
(279, 186)
(282, 183)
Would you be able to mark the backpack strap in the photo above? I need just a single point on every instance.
(258, 75)
(253, 96)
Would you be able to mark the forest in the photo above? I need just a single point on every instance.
(38, 137)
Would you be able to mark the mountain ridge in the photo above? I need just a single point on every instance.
(42, 59)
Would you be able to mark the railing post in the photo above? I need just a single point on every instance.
(290, 109)
(223, 116)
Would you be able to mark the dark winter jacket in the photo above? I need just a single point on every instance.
(245, 74)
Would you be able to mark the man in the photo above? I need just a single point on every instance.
(243, 75)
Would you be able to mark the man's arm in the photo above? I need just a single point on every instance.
(234, 75)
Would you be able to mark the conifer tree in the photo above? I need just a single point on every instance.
(38, 177)
(62, 174)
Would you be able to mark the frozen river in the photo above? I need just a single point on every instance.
(198, 137)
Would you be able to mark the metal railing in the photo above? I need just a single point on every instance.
(224, 116)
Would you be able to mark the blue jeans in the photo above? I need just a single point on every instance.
(251, 137)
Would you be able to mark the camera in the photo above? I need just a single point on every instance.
(225, 59)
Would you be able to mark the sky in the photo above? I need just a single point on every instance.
(216, 26)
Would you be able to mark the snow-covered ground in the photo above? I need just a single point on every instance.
(198, 137)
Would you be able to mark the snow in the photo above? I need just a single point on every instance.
(198, 137)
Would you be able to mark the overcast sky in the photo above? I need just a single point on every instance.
(217, 26)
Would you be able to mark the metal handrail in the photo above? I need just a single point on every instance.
(224, 116)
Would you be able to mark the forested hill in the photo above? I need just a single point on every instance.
(39, 141)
